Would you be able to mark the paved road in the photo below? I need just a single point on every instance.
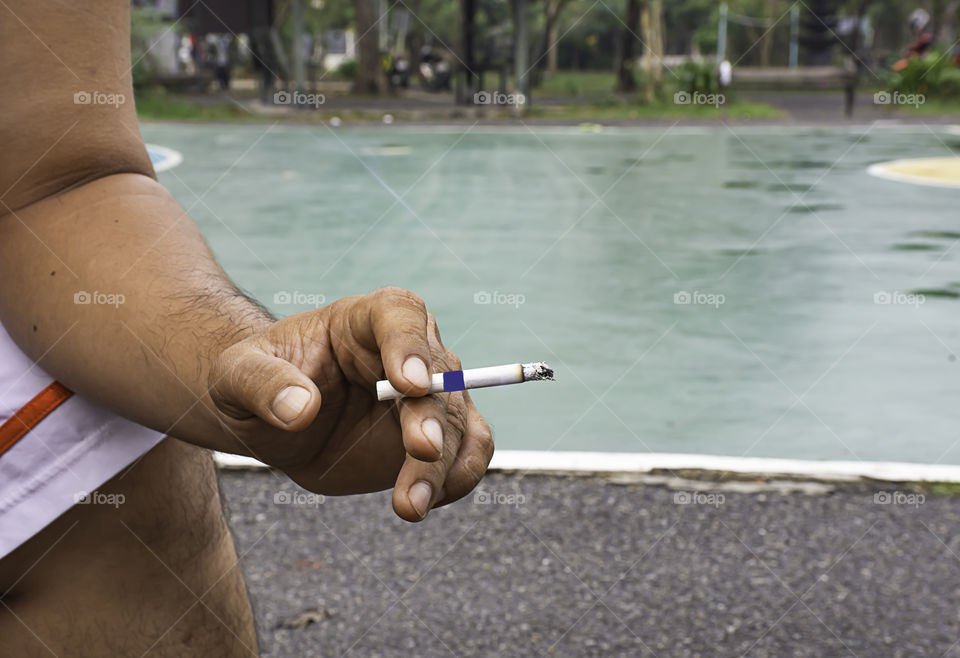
(582, 567)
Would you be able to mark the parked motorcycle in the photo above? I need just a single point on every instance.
(397, 69)
(434, 70)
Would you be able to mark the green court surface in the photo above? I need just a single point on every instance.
(722, 291)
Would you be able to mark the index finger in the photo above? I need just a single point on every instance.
(394, 322)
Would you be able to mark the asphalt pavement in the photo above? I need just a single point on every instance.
(565, 566)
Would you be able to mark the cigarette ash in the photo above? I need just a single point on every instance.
(537, 371)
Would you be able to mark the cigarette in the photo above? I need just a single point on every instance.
(460, 380)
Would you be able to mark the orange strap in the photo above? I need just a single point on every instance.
(24, 420)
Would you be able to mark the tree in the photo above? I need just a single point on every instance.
(551, 32)
(770, 14)
(818, 31)
(369, 78)
(626, 83)
(651, 18)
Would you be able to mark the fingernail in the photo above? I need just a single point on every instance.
(434, 433)
(420, 494)
(290, 403)
(414, 370)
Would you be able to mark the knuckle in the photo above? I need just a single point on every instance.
(432, 472)
(453, 360)
(248, 378)
(402, 296)
(405, 335)
(434, 327)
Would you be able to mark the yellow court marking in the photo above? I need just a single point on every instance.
(939, 172)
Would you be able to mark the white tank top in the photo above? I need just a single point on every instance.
(64, 458)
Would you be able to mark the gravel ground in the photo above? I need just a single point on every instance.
(561, 566)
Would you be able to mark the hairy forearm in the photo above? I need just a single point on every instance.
(112, 290)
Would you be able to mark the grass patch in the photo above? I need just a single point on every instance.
(937, 488)
(660, 110)
(578, 83)
(159, 107)
(151, 105)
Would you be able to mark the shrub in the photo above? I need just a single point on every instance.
(698, 77)
(932, 75)
(347, 69)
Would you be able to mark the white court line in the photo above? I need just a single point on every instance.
(627, 462)
(888, 171)
(169, 160)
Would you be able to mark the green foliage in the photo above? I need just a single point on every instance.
(348, 69)
(146, 23)
(698, 77)
(155, 104)
(948, 84)
(613, 109)
(591, 84)
(933, 75)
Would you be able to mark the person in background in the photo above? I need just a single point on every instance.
(221, 68)
(919, 22)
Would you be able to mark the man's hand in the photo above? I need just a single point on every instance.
(301, 396)
(190, 356)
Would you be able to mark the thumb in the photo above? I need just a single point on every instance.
(245, 382)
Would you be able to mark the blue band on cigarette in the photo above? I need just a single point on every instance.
(453, 381)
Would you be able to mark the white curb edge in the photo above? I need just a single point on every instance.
(588, 463)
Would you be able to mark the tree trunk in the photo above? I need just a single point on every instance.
(649, 93)
(553, 34)
(546, 55)
(415, 35)
(655, 39)
(521, 47)
(766, 41)
(472, 82)
(626, 82)
(369, 78)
